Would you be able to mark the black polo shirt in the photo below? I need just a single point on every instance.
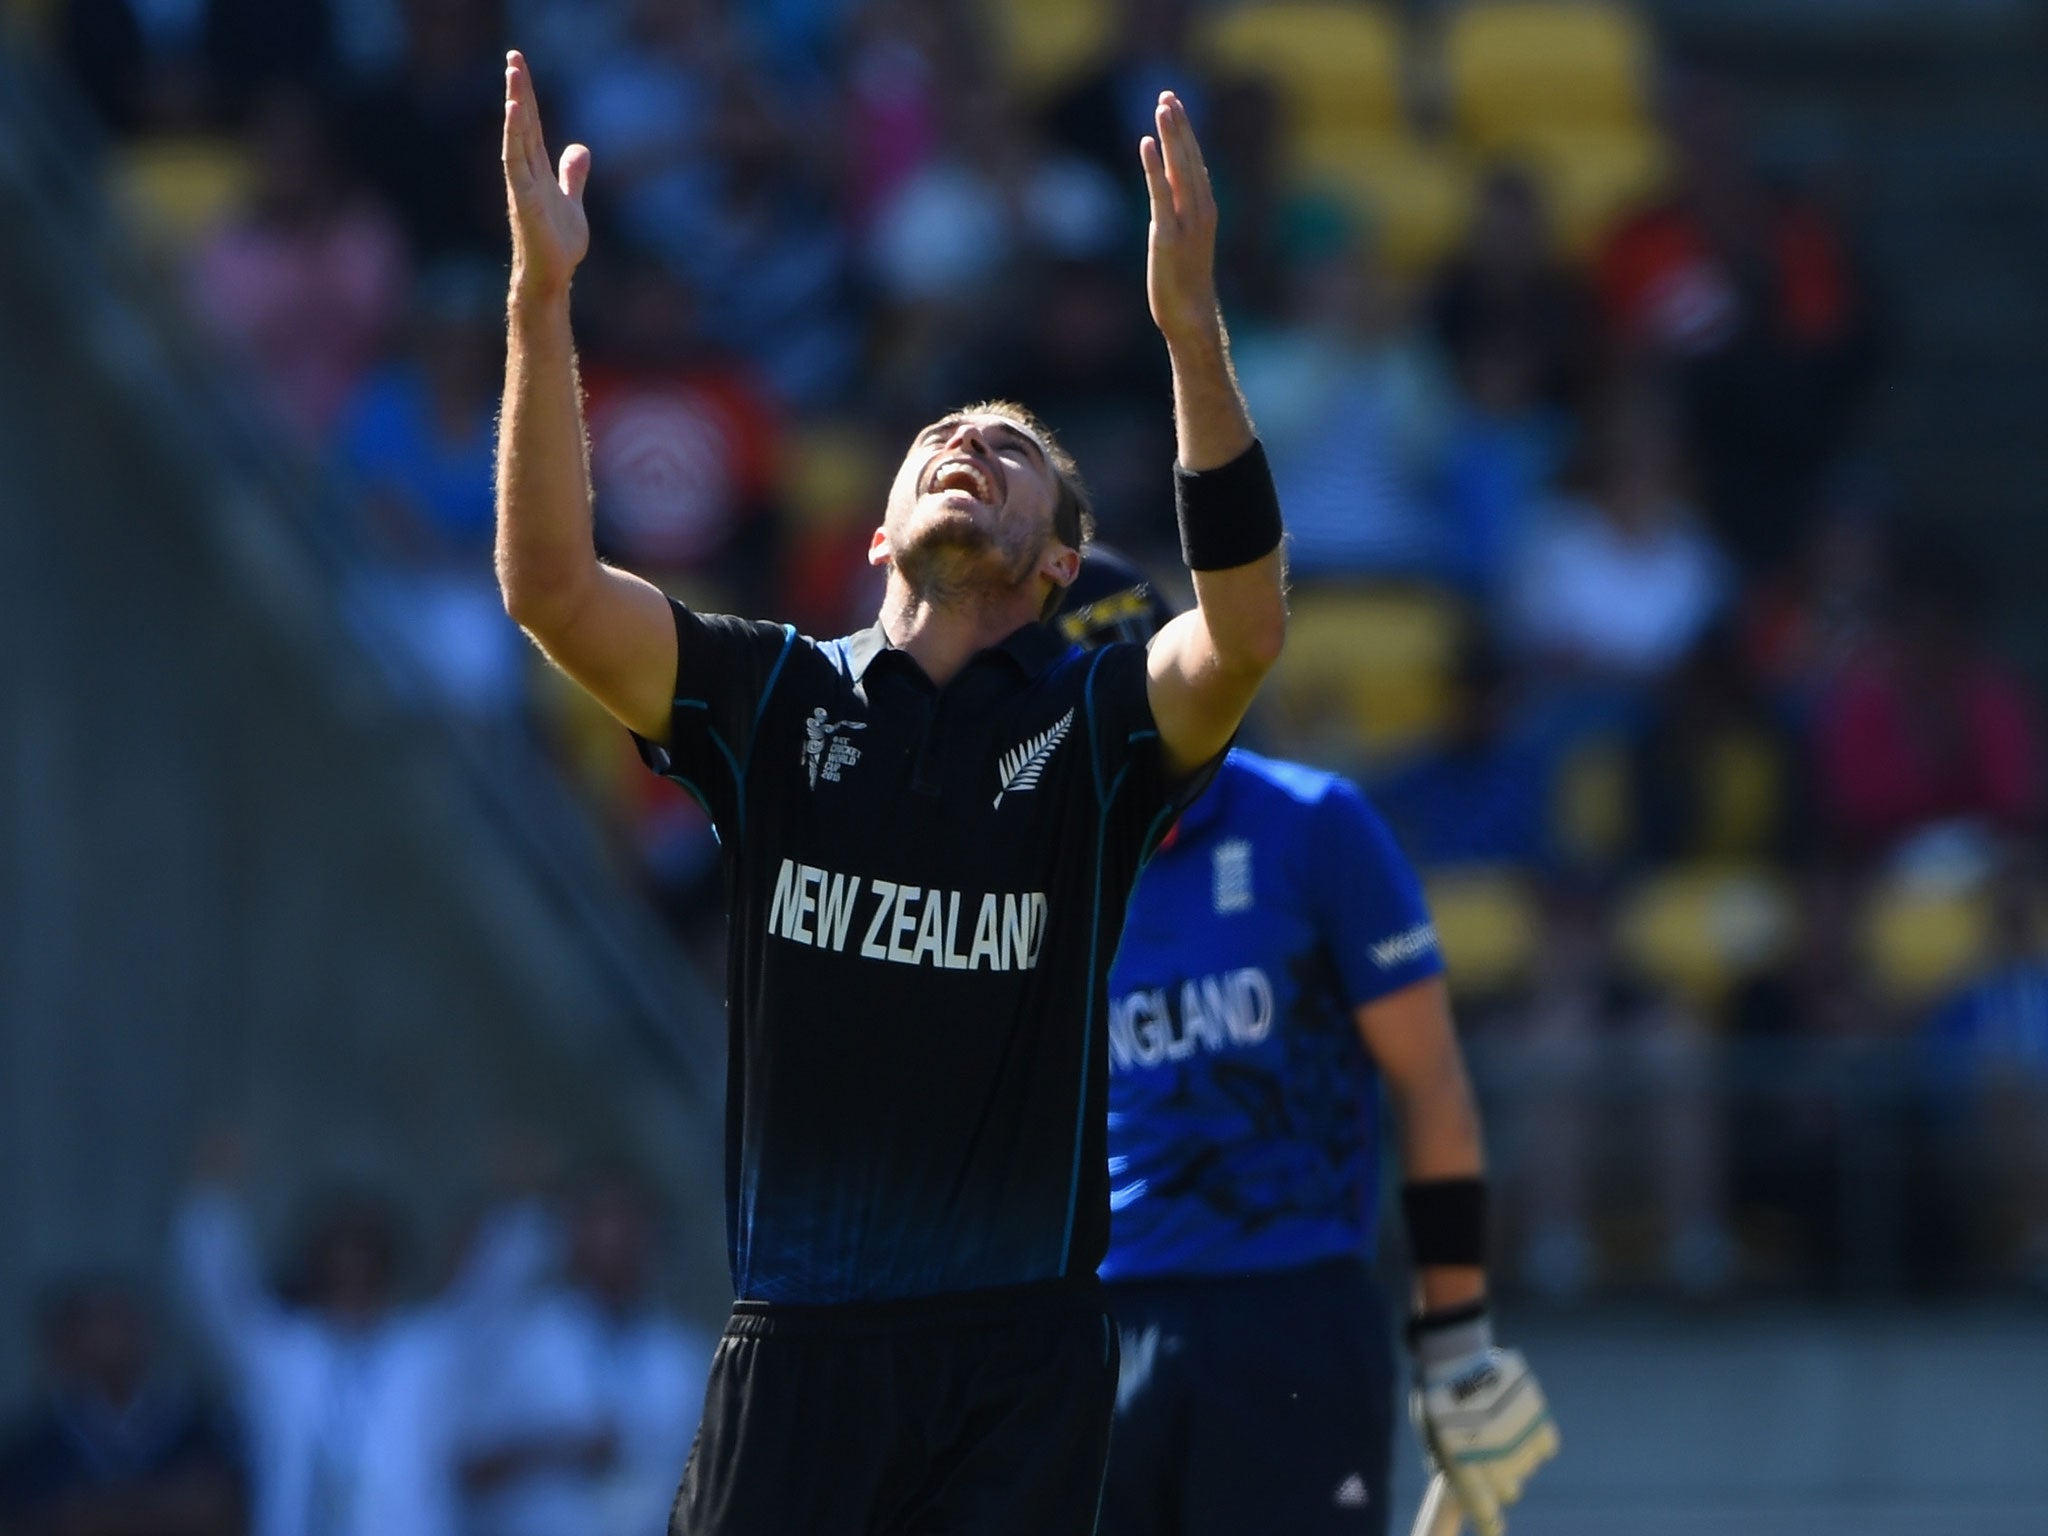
(926, 888)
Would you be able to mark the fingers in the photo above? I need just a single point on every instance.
(525, 152)
(1473, 1495)
(1156, 184)
(575, 171)
(1186, 172)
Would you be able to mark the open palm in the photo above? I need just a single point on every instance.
(550, 232)
(1180, 255)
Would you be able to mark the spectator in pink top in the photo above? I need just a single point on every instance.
(307, 280)
(1927, 728)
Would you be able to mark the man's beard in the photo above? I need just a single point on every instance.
(956, 564)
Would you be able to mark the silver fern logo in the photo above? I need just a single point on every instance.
(1023, 763)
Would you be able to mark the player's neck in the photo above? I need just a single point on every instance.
(942, 633)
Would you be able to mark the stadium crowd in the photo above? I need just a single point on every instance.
(541, 1388)
(1730, 812)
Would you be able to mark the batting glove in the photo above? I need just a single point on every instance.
(1480, 1415)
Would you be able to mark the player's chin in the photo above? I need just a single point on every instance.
(949, 524)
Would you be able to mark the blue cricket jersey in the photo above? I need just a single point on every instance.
(1243, 1108)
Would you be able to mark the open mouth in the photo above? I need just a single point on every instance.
(959, 474)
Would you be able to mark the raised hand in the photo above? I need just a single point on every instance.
(550, 233)
(1180, 256)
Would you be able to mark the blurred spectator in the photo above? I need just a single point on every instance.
(1250, 182)
(1501, 460)
(138, 65)
(682, 445)
(773, 271)
(1790, 1112)
(253, 44)
(419, 436)
(1618, 583)
(978, 219)
(1750, 293)
(1587, 1033)
(1505, 291)
(419, 440)
(1716, 776)
(116, 1446)
(1988, 1050)
(1808, 620)
(1482, 795)
(897, 60)
(1353, 405)
(428, 135)
(154, 63)
(1092, 367)
(349, 1401)
(1104, 113)
(308, 279)
(649, 108)
(1927, 728)
(583, 1417)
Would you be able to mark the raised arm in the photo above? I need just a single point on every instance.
(607, 629)
(1206, 665)
(215, 1256)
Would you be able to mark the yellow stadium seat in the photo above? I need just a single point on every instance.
(1591, 177)
(1044, 45)
(1413, 198)
(1513, 66)
(1592, 801)
(1921, 937)
(1336, 65)
(1488, 922)
(831, 471)
(177, 189)
(1701, 930)
(1366, 670)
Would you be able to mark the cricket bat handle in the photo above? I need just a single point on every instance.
(1439, 1514)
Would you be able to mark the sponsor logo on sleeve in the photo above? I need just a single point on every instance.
(1408, 945)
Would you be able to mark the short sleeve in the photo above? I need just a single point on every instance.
(725, 670)
(1133, 787)
(1369, 906)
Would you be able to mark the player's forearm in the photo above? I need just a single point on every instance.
(1440, 1139)
(1243, 606)
(1210, 419)
(546, 550)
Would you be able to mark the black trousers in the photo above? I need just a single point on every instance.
(979, 1415)
(1250, 1404)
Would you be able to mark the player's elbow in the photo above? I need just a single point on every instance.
(1257, 640)
(538, 603)
(1269, 638)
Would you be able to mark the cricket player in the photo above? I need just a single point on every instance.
(1278, 967)
(929, 831)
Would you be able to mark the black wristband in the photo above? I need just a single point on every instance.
(1446, 1221)
(1229, 515)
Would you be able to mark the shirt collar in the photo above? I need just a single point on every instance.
(1196, 820)
(1032, 648)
